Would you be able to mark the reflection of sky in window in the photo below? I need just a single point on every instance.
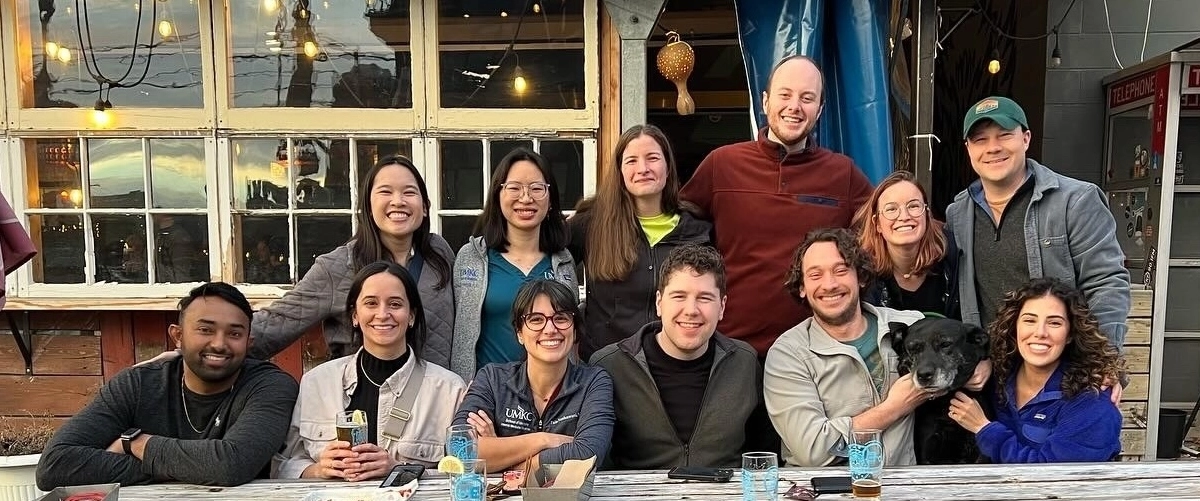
(337, 24)
(177, 173)
(116, 168)
(174, 78)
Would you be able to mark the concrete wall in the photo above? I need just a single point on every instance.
(1073, 131)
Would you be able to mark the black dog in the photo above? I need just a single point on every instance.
(942, 355)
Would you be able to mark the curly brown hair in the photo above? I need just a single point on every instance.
(847, 245)
(1091, 359)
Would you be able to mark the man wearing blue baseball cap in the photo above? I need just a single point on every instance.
(1021, 220)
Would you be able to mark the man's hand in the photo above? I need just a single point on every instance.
(967, 413)
(1118, 391)
(372, 462)
(332, 462)
(164, 356)
(905, 394)
(983, 371)
(482, 424)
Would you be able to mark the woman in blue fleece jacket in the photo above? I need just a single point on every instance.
(1051, 361)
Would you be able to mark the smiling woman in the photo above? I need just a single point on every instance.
(559, 410)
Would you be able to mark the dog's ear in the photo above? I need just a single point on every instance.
(978, 338)
(898, 330)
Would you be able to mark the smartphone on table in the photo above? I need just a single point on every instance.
(700, 473)
(402, 474)
(831, 485)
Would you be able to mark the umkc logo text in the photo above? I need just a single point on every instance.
(518, 414)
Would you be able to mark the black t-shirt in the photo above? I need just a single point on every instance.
(199, 412)
(372, 370)
(931, 296)
(681, 383)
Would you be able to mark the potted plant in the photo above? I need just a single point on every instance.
(21, 444)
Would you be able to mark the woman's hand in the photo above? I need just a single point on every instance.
(332, 462)
(967, 413)
(983, 371)
(482, 424)
(372, 461)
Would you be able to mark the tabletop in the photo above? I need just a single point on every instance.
(1082, 481)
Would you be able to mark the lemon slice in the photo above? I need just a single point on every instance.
(450, 465)
(358, 417)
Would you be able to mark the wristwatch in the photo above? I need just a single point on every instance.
(127, 436)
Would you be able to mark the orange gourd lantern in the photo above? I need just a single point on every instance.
(676, 60)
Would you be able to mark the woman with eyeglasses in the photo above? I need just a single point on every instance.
(624, 233)
(545, 409)
(521, 236)
(912, 254)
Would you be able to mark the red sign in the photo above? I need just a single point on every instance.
(1193, 76)
(1158, 137)
(1132, 89)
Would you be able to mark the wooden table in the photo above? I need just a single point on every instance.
(1084, 481)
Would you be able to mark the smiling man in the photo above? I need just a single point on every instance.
(834, 372)
(1021, 220)
(210, 417)
(682, 390)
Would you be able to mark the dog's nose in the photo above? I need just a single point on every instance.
(925, 376)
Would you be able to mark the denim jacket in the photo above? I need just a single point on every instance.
(326, 389)
(1070, 234)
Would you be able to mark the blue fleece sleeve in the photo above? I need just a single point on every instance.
(593, 435)
(1088, 429)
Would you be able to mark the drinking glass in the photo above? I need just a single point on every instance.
(461, 442)
(350, 430)
(471, 484)
(866, 463)
(760, 476)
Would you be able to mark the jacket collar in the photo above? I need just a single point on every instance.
(1050, 392)
(778, 151)
(350, 373)
(822, 343)
(518, 382)
(1044, 180)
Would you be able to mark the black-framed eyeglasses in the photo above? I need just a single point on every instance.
(535, 321)
(537, 191)
(914, 209)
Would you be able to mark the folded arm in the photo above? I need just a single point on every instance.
(593, 434)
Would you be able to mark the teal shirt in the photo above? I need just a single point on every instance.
(497, 341)
(867, 346)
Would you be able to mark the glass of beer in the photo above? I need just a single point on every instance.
(866, 463)
(760, 476)
(352, 427)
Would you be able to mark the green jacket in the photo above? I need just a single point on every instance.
(644, 437)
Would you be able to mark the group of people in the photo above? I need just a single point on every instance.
(745, 310)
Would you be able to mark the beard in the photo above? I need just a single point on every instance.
(213, 375)
(835, 317)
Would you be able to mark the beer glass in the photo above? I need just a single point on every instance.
(471, 484)
(350, 429)
(866, 463)
(461, 442)
(760, 476)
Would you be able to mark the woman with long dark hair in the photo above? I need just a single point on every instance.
(624, 233)
(1052, 367)
(386, 312)
(393, 226)
(521, 236)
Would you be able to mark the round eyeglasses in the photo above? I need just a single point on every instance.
(537, 321)
(536, 191)
(891, 212)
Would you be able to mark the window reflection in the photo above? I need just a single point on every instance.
(303, 53)
(370, 151)
(54, 181)
(59, 239)
(511, 54)
(116, 171)
(322, 170)
(566, 162)
(316, 235)
(120, 241)
(462, 174)
(177, 173)
(260, 173)
(264, 242)
(180, 248)
(61, 70)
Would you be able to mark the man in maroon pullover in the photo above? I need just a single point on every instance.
(764, 196)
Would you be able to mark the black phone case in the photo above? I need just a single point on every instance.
(831, 485)
(393, 478)
(700, 474)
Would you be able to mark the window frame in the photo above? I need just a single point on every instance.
(218, 123)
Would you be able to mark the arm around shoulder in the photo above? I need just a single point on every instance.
(1099, 262)
(312, 300)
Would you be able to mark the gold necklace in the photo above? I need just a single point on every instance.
(368, 376)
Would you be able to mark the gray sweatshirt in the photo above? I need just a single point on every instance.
(236, 446)
(320, 297)
(470, 285)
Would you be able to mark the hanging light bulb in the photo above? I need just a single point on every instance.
(51, 49)
(310, 49)
(100, 115)
(165, 29)
(519, 83)
(1055, 55)
(270, 5)
(993, 66)
(537, 8)
(64, 54)
(76, 196)
(303, 13)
